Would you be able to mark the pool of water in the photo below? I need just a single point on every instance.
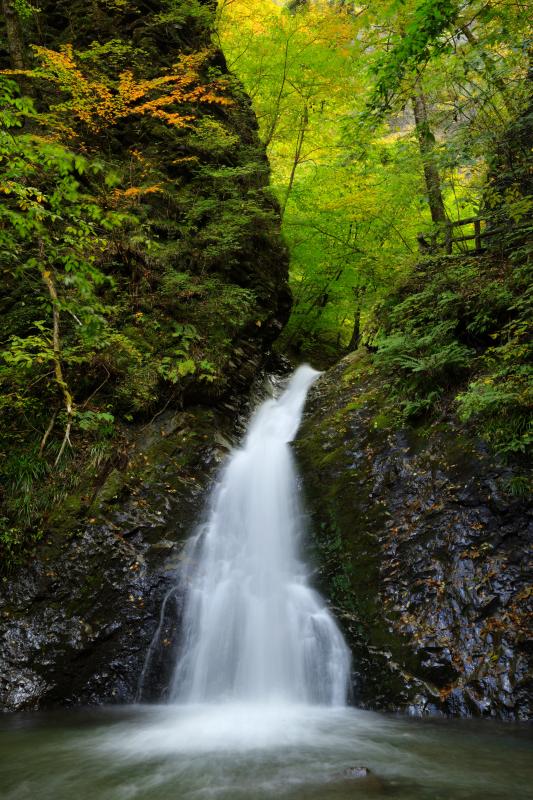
(243, 752)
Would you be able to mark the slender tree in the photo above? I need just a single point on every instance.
(15, 39)
(426, 141)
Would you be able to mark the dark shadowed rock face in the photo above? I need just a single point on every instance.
(79, 619)
(76, 622)
(425, 556)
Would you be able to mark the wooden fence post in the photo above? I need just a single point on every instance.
(477, 233)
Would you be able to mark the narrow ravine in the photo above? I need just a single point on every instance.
(265, 400)
(256, 705)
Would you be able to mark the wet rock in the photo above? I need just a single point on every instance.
(23, 690)
(364, 779)
(77, 620)
(356, 772)
(421, 551)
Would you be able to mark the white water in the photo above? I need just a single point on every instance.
(254, 631)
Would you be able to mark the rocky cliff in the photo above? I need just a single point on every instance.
(422, 549)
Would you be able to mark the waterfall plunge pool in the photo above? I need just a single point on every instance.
(255, 752)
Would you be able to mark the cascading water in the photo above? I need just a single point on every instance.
(253, 629)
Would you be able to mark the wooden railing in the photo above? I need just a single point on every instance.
(477, 237)
(449, 240)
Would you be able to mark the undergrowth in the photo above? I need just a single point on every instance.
(458, 333)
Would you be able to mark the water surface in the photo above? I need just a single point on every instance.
(254, 752)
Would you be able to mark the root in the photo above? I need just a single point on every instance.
(47, 433)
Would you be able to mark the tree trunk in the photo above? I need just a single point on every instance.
(60, 379)
(355, 340)
(426, 141)
(295, 5)
(304, 121)
(356, 333)
(276, 112)
(15, 40)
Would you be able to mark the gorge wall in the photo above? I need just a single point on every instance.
(422, 549)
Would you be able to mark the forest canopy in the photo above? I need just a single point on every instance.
(380, 120)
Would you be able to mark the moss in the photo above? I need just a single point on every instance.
(356, 365)
(112, 487)
(383, 421)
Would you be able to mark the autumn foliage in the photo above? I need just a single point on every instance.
(98, 102)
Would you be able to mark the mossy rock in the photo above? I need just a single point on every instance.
(418, 548)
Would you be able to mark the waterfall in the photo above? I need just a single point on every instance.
(253, 629)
